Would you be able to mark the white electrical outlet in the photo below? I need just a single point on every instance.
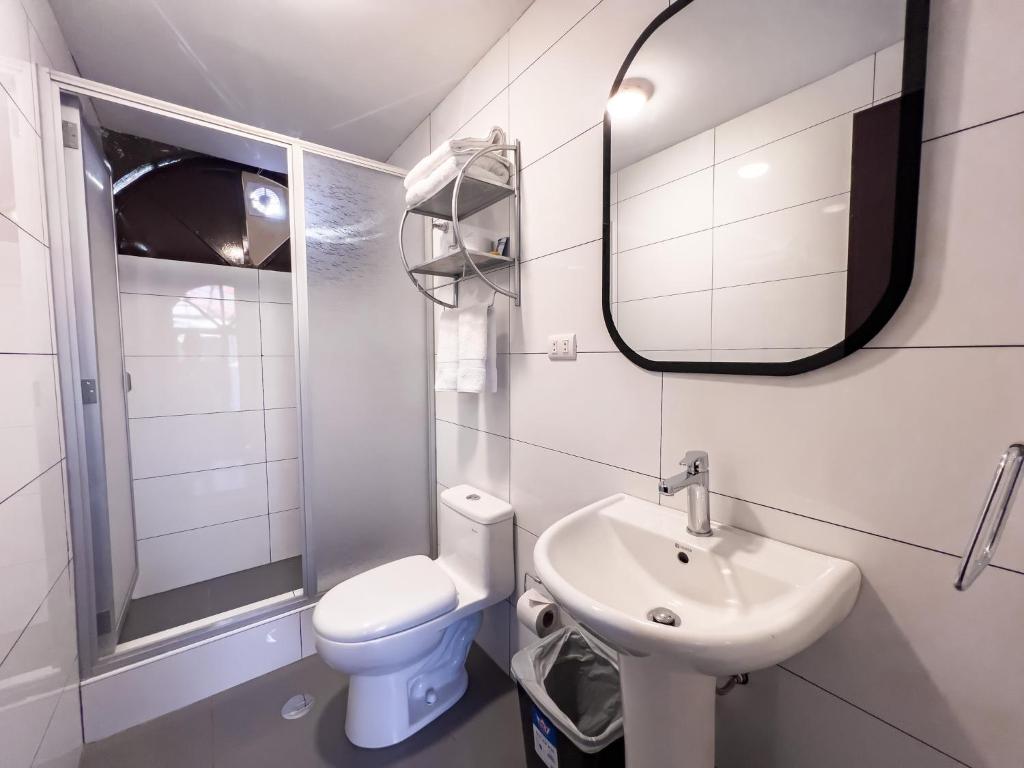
(562, 346)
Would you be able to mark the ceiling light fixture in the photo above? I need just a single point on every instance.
(630, 98)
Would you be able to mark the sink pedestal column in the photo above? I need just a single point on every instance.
(668, 714)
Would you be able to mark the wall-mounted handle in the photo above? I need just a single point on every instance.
(989, 528)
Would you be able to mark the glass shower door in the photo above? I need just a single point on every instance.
(363, 361)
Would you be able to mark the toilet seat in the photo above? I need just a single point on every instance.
(385, 600)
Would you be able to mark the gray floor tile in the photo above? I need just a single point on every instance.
(178, 740)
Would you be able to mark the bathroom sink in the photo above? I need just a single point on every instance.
(741, 602)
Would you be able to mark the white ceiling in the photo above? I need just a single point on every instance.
(357, 75)
(716, 59)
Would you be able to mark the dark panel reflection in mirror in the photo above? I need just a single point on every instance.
(755, 219)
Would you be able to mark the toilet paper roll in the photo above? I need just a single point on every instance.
(538, 613)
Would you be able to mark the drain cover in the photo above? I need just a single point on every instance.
(663, 616)
(297, 706)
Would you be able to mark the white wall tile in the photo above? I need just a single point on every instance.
(286, 535)
(176, 559)
(277, 329)
(415, 147)
(564, 291)
(973, 56)
(806, 166)
(906, 401)
(968, 278)
(308, 633)
(466, 455)
(33, 551)
(679, 265)
(484, 81)
(562, 198)
(801, 312)
(547, 485)
(564, 93)
(175, 386)
(487, 411)
(279, 382)
(29, 440)
(275, 286)
(889, 71)
(34, 673)
(24, 292)
(61, 746)
(283, 484)
(779, 355)
(599, 406)
(195, 499)
(189, 327)
(16, 57)
(40, 14)
(21, 170)
(672, 210)
(681, 322)
(493, 636)
(282, 426)
(133, 695)
(923, 666)
(525, 544)
(848, 89)
(682, 159)
(809, 239)
(540, 26)
(781, 720)
(165, 277)
(168, 445)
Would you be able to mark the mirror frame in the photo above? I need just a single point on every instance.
(908, 169)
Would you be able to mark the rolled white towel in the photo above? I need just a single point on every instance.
(446, 368)
(435, 182)
(477, 350)
(463, 148)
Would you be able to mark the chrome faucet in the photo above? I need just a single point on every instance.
(695, 479)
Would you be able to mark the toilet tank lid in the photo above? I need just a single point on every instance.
(478, 506)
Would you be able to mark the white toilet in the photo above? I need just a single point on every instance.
(401, 631)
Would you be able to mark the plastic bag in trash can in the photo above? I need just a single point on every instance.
(574, 679)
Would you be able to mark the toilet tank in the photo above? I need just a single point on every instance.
(474, 538)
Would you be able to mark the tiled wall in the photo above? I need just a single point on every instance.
(39, 703)
(882, 458)
(731, 245)
(213, 425)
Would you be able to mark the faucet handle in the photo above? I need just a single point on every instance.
(695, 461)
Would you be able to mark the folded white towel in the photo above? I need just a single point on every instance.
(446, 368)
(463, 148)
(446, 172)
(477, 354)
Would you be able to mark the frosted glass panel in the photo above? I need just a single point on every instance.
(365, 367)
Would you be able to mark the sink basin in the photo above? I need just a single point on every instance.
(744, 602)
(682, 609)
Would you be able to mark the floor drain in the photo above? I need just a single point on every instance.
(297, 706)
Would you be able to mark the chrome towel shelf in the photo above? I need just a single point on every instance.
(462, 197)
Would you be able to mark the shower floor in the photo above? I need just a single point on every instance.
(166, 610)
(243, 728)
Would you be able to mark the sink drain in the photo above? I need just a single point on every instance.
(663, 616)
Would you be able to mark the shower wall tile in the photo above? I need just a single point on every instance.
(29, 440)
(189, 327)
(25, 314)
(279, 382)
(176, 386)
(286, 535)
(177, 559)
(282, 425)
(170, 445)
(283, 485)
(197, 499)
(164, 277)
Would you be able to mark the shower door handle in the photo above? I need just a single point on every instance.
(985, 537)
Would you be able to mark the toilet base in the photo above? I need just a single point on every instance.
(388, 708)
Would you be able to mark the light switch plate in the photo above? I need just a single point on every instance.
(562, 346)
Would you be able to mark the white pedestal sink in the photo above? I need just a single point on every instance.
(740, 602)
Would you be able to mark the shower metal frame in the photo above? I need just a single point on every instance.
(52, 84)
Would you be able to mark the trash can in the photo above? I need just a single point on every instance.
(570, 702)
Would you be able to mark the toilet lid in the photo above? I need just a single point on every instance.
(385, 600)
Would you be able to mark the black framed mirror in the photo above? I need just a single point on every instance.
(761, 170)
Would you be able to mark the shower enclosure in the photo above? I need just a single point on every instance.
(244, 376)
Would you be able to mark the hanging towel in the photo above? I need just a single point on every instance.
(478, 369)
(446, 369)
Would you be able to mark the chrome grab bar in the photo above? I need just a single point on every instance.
(989, 527)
